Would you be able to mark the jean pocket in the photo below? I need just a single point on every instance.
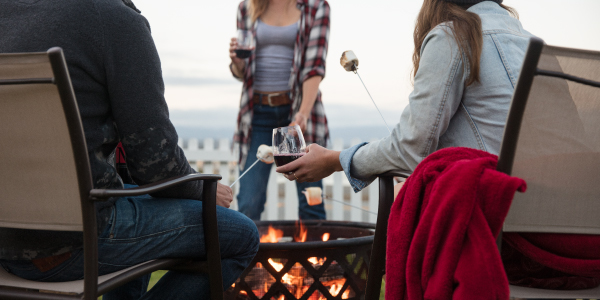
(109, 230)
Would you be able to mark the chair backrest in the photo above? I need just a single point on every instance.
(552, 141)
(44, 168)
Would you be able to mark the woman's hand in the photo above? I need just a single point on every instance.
(300, 119)
(238, 63)
(316, 164)
(224, 195)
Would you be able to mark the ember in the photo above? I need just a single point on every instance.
(322, 260)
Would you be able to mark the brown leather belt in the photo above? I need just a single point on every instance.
(272, 99)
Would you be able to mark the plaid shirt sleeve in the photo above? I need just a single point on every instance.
(241, 16)
(318, 40)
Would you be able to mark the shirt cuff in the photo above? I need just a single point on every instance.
(346, 162)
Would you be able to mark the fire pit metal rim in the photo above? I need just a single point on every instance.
(318, 222)
(348, 242)
(358, 241)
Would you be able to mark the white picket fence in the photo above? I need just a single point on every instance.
(282, 200)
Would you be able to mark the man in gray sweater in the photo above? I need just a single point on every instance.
(117, 78)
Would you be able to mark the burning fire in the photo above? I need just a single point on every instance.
(272, 236)
(295, 277)
(317, 261)
(336, 287)
(300, 232)
(277, 266)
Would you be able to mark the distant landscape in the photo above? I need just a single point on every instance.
(345, 122)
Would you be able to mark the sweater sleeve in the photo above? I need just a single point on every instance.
(138, 106)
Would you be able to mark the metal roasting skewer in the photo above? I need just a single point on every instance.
(342, 202)
(257, 160)
(356, 72)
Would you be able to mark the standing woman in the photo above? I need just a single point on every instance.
(281, 87)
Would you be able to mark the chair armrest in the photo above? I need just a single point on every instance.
(395, 173)
(101, 194)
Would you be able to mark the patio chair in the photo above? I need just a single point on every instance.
(43, 155)
(552, 141)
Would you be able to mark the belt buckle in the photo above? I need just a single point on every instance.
(269, 98)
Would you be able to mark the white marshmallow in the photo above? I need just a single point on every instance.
(265, 154)
(313, 195)
(348, 61)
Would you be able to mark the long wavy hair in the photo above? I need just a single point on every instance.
(466, 29)
(257, 8)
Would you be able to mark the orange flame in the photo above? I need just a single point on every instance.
(317, 261)
(301, 232)
(336, 287)
(272, 236)
(277, 266)
(325, 236)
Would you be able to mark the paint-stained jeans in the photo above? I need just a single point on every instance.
(253, 186)
(142, 228)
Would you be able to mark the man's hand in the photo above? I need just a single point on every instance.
(224, 195)
(316, 164)
(300, 119)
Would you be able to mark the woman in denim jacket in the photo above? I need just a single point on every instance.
(467, 58)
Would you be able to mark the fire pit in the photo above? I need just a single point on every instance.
(316, 260)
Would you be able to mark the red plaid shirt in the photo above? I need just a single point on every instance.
(310, 52)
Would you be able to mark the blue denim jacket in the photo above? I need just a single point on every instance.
(442, 111)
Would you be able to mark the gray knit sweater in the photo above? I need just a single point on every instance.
(117, 78)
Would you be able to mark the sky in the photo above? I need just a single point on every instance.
(192, 38)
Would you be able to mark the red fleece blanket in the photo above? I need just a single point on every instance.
(442, 228)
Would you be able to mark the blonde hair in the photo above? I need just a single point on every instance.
(257, 8)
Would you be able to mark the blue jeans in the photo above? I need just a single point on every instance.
(142, 228)
(253, 186)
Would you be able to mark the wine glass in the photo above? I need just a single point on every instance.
(288, 144)
(245, 43)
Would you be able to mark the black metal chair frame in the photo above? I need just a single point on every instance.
(89, 196)
(377, 262)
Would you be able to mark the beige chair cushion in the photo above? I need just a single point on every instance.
(38, 179)
(71, 287)
(530, 293)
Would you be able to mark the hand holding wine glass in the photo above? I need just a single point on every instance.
(316, 164)
(241, 48)
(288, 144)
(245, 43)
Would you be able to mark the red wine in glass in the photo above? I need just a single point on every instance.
(245, 43)
(286, 158)
(288, 144)
(242, 53)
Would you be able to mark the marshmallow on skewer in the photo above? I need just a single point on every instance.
(349, 61)
(265, 154)
(313, 195)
